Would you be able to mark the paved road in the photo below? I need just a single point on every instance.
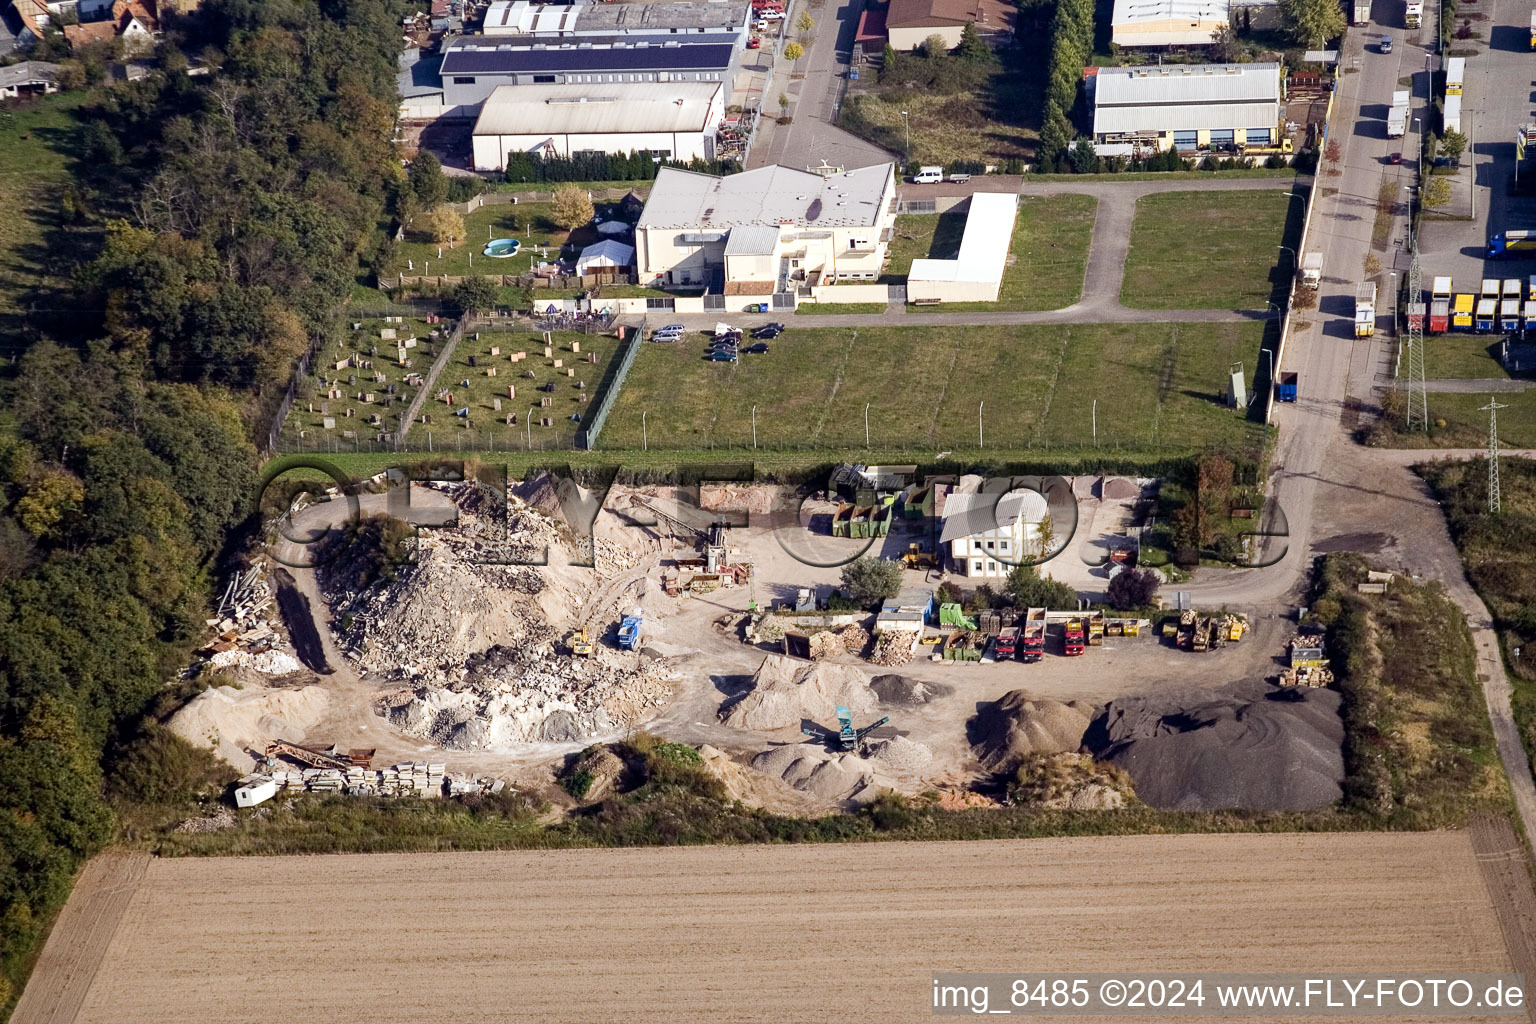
(813, 85)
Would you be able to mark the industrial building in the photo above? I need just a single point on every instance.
(595, 44)
(976, 272)
(767, 231)
(988, 533)
(1187, 107)
(1167, 23)
(558, 21)
(909, 23)
(675, 120)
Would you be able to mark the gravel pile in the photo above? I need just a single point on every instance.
(845, 779)
(1019, 724)
(901, 755)
(1248, 746)
(902, 692)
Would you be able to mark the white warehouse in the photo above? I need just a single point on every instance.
(676, 120)
(1187, 107)
(976, 272)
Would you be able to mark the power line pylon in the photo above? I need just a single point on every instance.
(1418, 394)
(1493, 408)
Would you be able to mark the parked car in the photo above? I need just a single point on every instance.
(761, 348)
(754, 43)
(667, 334)
(1386, 44)
(770, 331)
(771, 16)
(723, 355)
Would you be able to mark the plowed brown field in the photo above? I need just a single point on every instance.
(790, 933)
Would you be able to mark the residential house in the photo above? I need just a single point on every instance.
(990, 532)
(909, 23)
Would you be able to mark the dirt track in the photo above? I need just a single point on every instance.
(760, 933)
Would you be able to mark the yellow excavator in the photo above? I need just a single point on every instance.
(579, 643)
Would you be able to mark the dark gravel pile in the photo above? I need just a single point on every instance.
(1249, 745)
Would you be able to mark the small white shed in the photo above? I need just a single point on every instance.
(605, 255)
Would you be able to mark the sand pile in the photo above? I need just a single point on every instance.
(1020, 724)
(785, 692)
(899, 691)
(834, 777)
(756, 789)
(230, 721)
(901, 755)
(1248, 746)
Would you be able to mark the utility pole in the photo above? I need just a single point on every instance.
(1493, 408)
(1418, 393)
(981, 437)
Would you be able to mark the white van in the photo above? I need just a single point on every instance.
(928, 176)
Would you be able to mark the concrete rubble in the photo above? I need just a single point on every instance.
(478, 650)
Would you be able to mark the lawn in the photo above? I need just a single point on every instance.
(1156, 386)
(821, 308)
(529, 223)
(1462, 356)
(1050, 255)
(34, 164)
(371, 369)
(500, 390)
(1499, 553)
(1211, 250)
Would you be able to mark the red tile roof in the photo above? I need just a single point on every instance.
(989, 15)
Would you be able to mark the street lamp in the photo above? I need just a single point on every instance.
(908, 122)
(1394, 301)
(981, 437)
(754, 426)
(1289, 250)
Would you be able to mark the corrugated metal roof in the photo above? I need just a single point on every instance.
(768, 195)
(1129, 12)
(983, 246)
(966, 515)
(1186, 98)
(506, 16)
(752, 240)
(597, 109)
(469, 57)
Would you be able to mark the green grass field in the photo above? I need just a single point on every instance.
(576, 384)
(1210, 250)
(379, 379)
(529, 223)
(1157, 386)
(34, 165)
(821, 308)
(1462, 356)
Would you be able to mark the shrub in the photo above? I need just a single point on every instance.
(1134, 588)
(868, 580)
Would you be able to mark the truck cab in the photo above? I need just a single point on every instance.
(1034, 645)
(1007, 643)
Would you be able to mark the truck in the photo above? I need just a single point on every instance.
(1487, 315)
(1509, 315)
(1397, 114)
(1413, 13)
(1517, 243)
(1533, 30)
(1451, 115)
(1072, 638)
(1312, 269)
(1285, 390)
(1461, 311)
(629, 632)
(1455, 74)
(1034, 644)
(1361, 12)
(1007, 643)
(1365, 310)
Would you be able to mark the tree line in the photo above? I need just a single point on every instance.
(536, 168)
(218, 223)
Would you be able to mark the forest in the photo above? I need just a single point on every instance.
(220, 222)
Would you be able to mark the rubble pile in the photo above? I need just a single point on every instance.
(478, 648)
(855, 639)
(825, 644)
(246, 637)
(893, 648)
(531, 694)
